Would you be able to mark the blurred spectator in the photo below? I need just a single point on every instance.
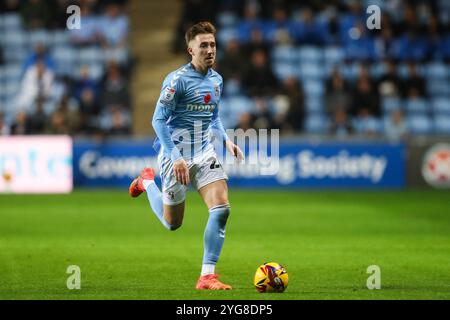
(114, 26)
(21, 125)
(89, 110)
(250, 22)
(10, 6)
(115, 89)
(341, 126)
(85, 82)
(38, 119)
(256, 43)
(37, 83)
(364, 98)
(395, 127)
(58, 124)
(309, 32)
(120, 125)
(4, 128)
(295, 115)
(262, 116)
(337, 93)
(193, 11)
(245, 121)
(389, 84)
(259, 79)
(414, 81)
(36, 14)
(365, 123)
(69, 107)
(40, 53)
(279, 24)
(232, 62)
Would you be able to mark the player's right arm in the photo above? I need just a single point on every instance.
(164, 108)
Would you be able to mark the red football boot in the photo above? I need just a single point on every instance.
(137, 187)
(210, 282)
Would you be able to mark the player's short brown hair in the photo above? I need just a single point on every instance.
(199, 28)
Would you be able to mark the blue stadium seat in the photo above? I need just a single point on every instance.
(314, 106)
(419, 124)
(60, 38)
(90, 55)
(441, 105)
(225, 35)
(313, 88)
(284, 54)
(40, 36)
(389, 104)
(284, 70)
(442, 124)
(65, 58)
(12, 73)
(312, 70)
(316, 124)
(333, 55)
(436, 70)
(417, 106)
(226, 19)
(438, 87)
(310, 54)
(12, 21)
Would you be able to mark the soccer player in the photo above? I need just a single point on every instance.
(185, 116)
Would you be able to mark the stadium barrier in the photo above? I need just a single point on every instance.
(300, 165)
(36, 164)
(428, 163)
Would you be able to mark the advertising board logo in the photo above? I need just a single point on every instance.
(436, 166)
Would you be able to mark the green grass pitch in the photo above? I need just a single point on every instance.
(326, 241)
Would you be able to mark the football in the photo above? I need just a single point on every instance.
(271, 277)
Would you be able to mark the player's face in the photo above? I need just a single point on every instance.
(203, 50)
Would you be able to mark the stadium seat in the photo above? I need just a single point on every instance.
(316, 124)
(314, 106)
(438, 87)
(436, 70)
(37, 37)
(389, 104)
(416, 106)
(12, 73)
(442, 124)
(65, 58)
(90, 55)
(310, 54)
(419, 124)
(311, 71)
(333, 55)
(284, 70)
(441, 105)
(11, 21)
(60, 38)
(226, 19)
(313, 88)
(284, 54)
(225, 35)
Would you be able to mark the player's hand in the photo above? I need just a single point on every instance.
(235, 150)
(181, 171)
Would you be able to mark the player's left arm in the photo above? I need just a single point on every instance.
(221, 134)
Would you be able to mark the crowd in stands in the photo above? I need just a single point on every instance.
(56, 80)
(315, 67)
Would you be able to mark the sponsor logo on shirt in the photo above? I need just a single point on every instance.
(201, 107)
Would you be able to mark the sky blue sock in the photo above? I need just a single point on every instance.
(156, 203)
(215, 233)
